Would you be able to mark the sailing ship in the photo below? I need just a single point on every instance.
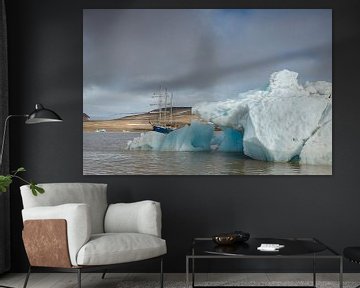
(164, 102)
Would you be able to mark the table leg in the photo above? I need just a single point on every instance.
(193, 272)
(314, 271)
(341, 273)
(187, 272)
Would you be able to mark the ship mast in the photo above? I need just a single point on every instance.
(171, 109)
(164, 103)
(159, 103)
(165, 106)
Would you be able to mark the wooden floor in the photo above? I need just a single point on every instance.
(116, 280)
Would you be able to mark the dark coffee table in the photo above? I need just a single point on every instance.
(294, 248)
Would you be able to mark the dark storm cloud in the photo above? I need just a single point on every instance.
(203, 78)
(200, 55)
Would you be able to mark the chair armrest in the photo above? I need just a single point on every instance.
(53, 249)
(138, 217)
(77, 218)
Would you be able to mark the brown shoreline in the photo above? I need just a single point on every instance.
(136, 123)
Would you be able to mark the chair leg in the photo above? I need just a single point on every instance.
(79, 277)
(27, 277)
(103, 275)
(161, 273)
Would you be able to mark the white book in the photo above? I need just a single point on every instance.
(270, 247)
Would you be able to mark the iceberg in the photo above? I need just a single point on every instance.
(318, 148)
(318, 142)
(194, 137)
(285, 121)
(147, 141)
(278, 122)
(232, 141)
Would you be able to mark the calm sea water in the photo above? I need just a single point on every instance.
(105, 154)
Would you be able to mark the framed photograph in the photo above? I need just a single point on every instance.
(207, 92)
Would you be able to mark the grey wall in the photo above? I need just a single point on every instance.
(4, 166)
(45, 50)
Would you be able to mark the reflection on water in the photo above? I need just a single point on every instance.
(105, 154)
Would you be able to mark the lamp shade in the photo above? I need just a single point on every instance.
(42, 115)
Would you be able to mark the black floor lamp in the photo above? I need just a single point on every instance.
(39, 115)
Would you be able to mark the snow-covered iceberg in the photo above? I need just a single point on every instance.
(278, 122)
(285, 121)
(318, 148)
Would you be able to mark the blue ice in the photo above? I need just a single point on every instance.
(232, 141)
(195, 137)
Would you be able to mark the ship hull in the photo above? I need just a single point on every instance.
(161, 129)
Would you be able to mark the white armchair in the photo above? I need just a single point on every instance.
(72, 228)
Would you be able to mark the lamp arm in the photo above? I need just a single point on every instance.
(4, 134)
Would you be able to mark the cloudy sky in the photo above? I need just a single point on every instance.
(199, 55)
